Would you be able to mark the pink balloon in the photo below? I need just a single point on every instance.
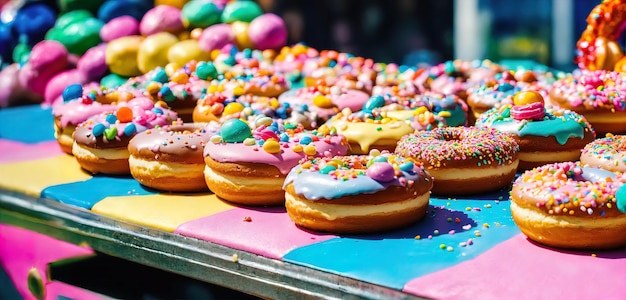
(216, 37)
(93, 62)
(47, 58)
(162, 18)
(268, 31)
(11, 91)
(60, 81)
(119, 27)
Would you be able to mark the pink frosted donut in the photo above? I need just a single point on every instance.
(249, 166)
(119, 27)
(67, 115)
(608, 153)
(101, 143)
(568, 206)
(161, 18)
(600, 96)
(268, 31)
(46, 59)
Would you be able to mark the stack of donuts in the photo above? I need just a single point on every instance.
(351, 145)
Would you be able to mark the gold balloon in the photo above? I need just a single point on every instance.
(241, 34)
(176, 3)
(153, 51)
(620, 66)
(608, 52)
(186, 51)
(121, 55)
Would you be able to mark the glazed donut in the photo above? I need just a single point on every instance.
(608, 153)
(170, 158)
(463, 160)
(598, 95)
(101, 142)
(545, 134)
(369, 130)
(568, 206)
(249, 167)
(75, 109)
(598, 47)
(357, 194)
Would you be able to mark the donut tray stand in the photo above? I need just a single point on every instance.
(201, 260)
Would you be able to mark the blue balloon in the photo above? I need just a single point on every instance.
(116, 8)
(33, 21)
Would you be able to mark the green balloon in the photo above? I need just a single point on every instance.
(112, 81)
(79, 37)
(89, 5)
(21, 52)
(200, 14)
(244, 11)
(72, 17)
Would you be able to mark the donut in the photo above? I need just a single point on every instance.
(608, 153)
(369, 130)
(598, 48)
(463, 160)
(75, 109)
(598, 95)
(357, 194)
(565, 205)
(101, 142)
(249, 167)
(170, 158)
(545, 134)
(323, 100)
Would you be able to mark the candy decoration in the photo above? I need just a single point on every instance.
(620, 198)
(130, 129)
(110, 133)
(206, 71)
(381, 171)
(33, 21)
(124, 114)
(98, 129)
(271, 146)
(72, 91)
(373, 102)
(235, 131)
(533, 111)
(527, 97)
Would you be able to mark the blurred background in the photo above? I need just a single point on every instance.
(428, 31)
(424, 31)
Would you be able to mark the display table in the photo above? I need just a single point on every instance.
(463, 248)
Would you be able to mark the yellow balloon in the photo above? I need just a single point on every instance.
(176, 3)
(153, 51)
(121, 55)
(241, 34)
(186, 51)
